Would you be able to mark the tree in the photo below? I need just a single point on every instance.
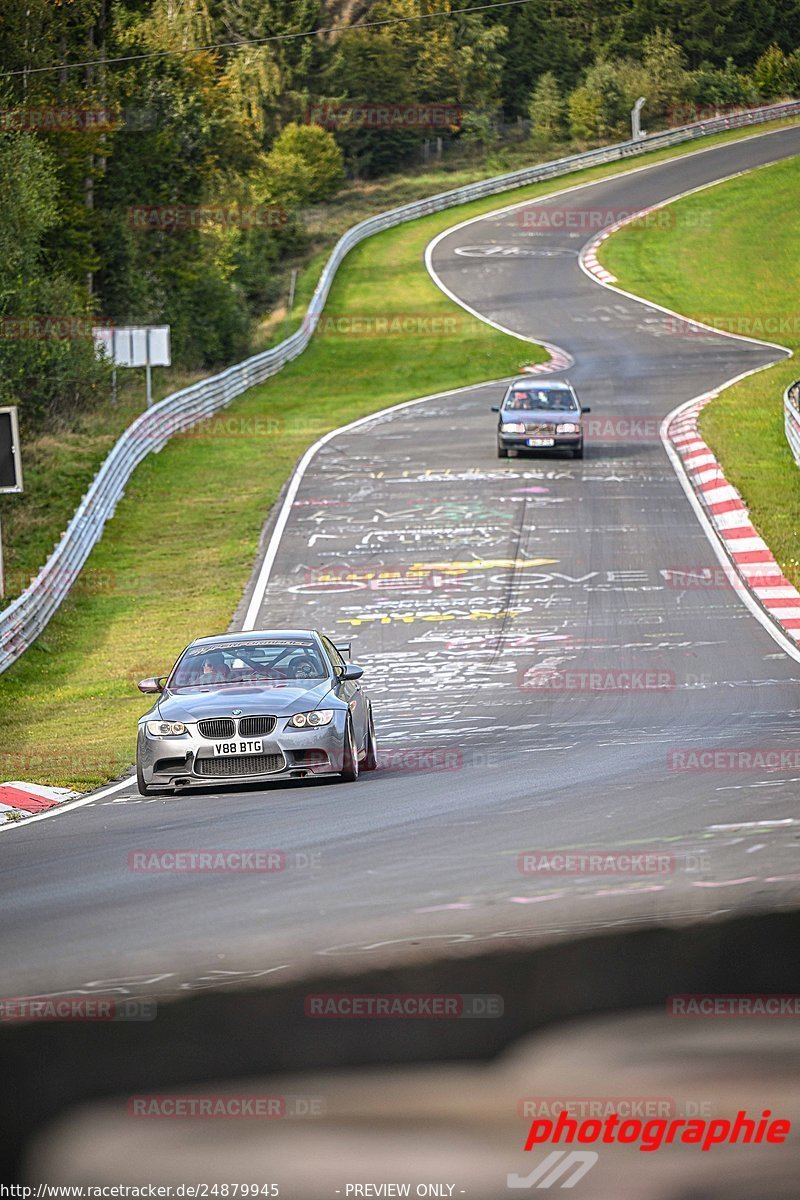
(537, 42)
(479, 127)
(664, 66)
(598, 108)
(714, 88)
(711, 30)
(456, 61)
(771, 74)
(793, 73)
(304, 164)
(546, 108)
(272, 82)
(49, 370)
(369, 70)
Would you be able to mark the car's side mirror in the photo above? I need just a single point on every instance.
(152, 687)
(352, 671)
(584, 409)
(495, 408)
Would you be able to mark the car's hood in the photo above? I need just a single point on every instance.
(194, 704)
(539, 416)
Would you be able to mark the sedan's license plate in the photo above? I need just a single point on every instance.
(541, 441)
(238, 747)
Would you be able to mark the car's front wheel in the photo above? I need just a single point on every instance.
(370, 762)
(502, 452)
(144, 788)
(349, 773)
(578, 451)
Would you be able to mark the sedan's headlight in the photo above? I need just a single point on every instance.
(512, 427)
(165, 728)
(320, 716)
(568, 427)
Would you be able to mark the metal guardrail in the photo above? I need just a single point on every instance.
(25, 618)
(791, 418)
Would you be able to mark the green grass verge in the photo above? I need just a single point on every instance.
(727, 257)
(173, 562)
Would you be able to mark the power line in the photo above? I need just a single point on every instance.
(276, 37)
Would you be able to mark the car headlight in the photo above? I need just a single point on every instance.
(165, 728)
(512, 427)
(320, 716)
(568, 427)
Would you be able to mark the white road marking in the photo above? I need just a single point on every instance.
(752, 825)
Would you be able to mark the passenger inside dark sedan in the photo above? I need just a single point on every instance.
(526, 398)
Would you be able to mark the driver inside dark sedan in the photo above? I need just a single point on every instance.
(528, 399)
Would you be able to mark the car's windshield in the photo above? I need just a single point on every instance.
(540, 398)
(267, 660)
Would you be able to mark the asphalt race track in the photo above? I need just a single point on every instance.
(464, 581)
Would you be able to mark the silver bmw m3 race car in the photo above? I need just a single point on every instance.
(251, 707)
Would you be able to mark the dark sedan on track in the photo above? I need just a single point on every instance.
(255, 707)
(539, 416)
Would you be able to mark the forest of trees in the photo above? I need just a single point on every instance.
(97, 157)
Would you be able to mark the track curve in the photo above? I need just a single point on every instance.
(456, 576)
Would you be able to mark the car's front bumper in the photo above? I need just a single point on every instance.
(520, 441)
(189, 759)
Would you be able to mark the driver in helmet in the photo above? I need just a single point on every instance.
(214, 669)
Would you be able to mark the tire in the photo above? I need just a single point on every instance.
(349, 773)
(370, 762)
(144, 788)
(578, 451)
(501, 451)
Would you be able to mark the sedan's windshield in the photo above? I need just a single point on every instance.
(249, 662)
(540, 398)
